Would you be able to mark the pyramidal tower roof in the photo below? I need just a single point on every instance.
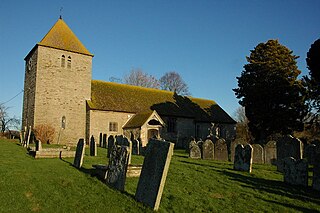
(60, 36)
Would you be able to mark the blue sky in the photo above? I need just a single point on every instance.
(205, 41)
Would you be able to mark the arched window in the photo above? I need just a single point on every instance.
(69, 62)
(63, 61)
(63, 122)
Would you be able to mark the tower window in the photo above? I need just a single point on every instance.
(63, 122)
(69, 62)
(63, 61)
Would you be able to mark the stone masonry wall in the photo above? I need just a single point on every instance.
(62, 92)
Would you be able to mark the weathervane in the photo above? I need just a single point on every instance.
(61, 8)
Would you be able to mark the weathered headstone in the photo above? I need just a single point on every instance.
(38, 145)
(195, 152)
(154, 172)
(310, 152)
(270, 152)
(221, 150)
(316, 173)
(78, 159)
(100, 140)
(234, 145)
(104, 141)
(135, 147)
(243, 158)
(117, 168)
(295, 172)
(93, 147)
(208, 150)
(288, 146)
(124, 141)
(110, 144)
(192, 143)
(258, 153)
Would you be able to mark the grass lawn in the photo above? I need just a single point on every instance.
(54, 185)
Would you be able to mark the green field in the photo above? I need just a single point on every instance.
(54, 185)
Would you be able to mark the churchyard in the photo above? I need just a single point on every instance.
(192, 185)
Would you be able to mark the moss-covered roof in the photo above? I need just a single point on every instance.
(111, 96)
(138, 120)
(60, 36)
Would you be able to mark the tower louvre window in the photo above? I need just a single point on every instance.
(63, 61)
(69, 62)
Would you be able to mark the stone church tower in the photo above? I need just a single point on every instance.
(57, 84)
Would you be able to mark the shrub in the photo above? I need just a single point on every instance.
(44, 133)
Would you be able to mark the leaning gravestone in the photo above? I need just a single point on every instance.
(310, 153)
(117, 168)
(221, 150)
(208, 150)
(110, 144)
(154, 172)
(295, 172)
(195, 152)
(234, 145)
(135, 147)
(78, 159)
(316, 173)
(38, 145)
(104, 141)
(288, 146)
(100, 140)
(258, 151)
(270, 152)
(93, 147)
(243, 158)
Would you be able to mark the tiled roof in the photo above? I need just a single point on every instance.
(110, 96)
(60, 36)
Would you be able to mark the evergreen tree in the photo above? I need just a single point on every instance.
(269, 90)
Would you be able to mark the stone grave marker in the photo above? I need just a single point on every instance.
(117, 168)
(288, 146)
(100, 139)
(221, 150)
(295, 172)
(310, 152)
(234, 145)
(104, 141)
(270, 152)
(38, 145)
(154, 172)
(78, 159)
(135, 147)
(110, 144)
(195, 152)
(316, 173)
(93, 147)
(208, 150)
(243, 158)
(258, 153)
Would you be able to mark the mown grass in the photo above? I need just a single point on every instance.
(54, 185)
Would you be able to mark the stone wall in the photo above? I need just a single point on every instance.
(61, 92)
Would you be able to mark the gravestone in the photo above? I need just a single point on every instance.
(258, 153)
(124, 141)
(288, 146)
(310, 152)
(221, 150)
(135, 147)
(316, 173)
(38, 145)
(295, 172)
(243, 158)
(78, 159)
(270, 152)
(104, 141)
(110, 144)
(234, 145)
(117, 168)
(208, 150)
(192, 143)
(93, 147)
(195, 152)
(29, 137)
(100, 140)
(154, 172)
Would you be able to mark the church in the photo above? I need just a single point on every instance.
(59, 91)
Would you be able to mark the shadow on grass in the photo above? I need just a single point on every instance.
(205, 165)
(305, 194)
(295, 207)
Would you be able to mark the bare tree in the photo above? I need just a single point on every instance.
(241, 115)
(172, 81)
(242, 125)
(7, 122)
(138, 78)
